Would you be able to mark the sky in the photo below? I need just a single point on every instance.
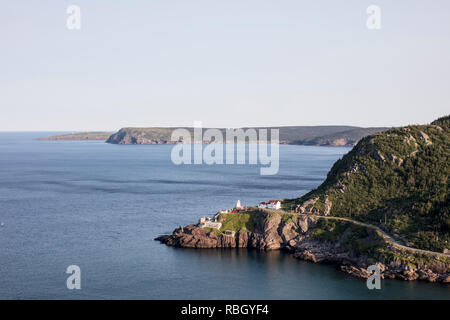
(227, 63)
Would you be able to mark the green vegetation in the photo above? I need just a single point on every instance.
(361, 240)
(141, 135)
(396, 179)
(304, 135)
(80, 136)
(348, 137)
(287, 217)
(413, 260)
(217, 232)
(247, 221)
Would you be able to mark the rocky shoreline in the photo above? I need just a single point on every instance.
(298, 237)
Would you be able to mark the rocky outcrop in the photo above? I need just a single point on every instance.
(398, 180)
(272, 235)
(126, 136)
(387, 175)
(309, 206)
(193, 236)
(425, 138)
(298, 235)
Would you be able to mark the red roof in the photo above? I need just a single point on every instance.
(270, 202)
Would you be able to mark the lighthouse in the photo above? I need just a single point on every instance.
(238, 205)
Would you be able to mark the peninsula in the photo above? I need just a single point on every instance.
(300, 135)
(79, 136)
(296, 135)
(386, 202)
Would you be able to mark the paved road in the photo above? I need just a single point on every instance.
(383, 234)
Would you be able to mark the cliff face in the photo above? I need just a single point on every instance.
(311, 238)
(264, 237)
(141, 136)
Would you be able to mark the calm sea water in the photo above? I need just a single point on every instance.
(99, 206)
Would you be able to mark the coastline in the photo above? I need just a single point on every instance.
(299, 235)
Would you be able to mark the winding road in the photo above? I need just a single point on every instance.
(383, 234)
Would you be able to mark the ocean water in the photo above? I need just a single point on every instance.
(99, 206)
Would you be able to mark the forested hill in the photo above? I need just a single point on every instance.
(396, 179)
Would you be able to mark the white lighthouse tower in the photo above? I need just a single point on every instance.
(238, 205)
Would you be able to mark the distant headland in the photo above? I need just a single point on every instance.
(79, 136)
(384, 204)
(294, 135)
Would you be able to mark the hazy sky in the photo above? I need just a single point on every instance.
(227, 63)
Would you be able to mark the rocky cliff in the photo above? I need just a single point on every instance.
(351, 248)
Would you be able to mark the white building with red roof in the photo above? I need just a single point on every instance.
(271, 204)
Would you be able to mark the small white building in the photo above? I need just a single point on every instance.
(224, 211)
(204, 219)
(271, 204)
(207, 222)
